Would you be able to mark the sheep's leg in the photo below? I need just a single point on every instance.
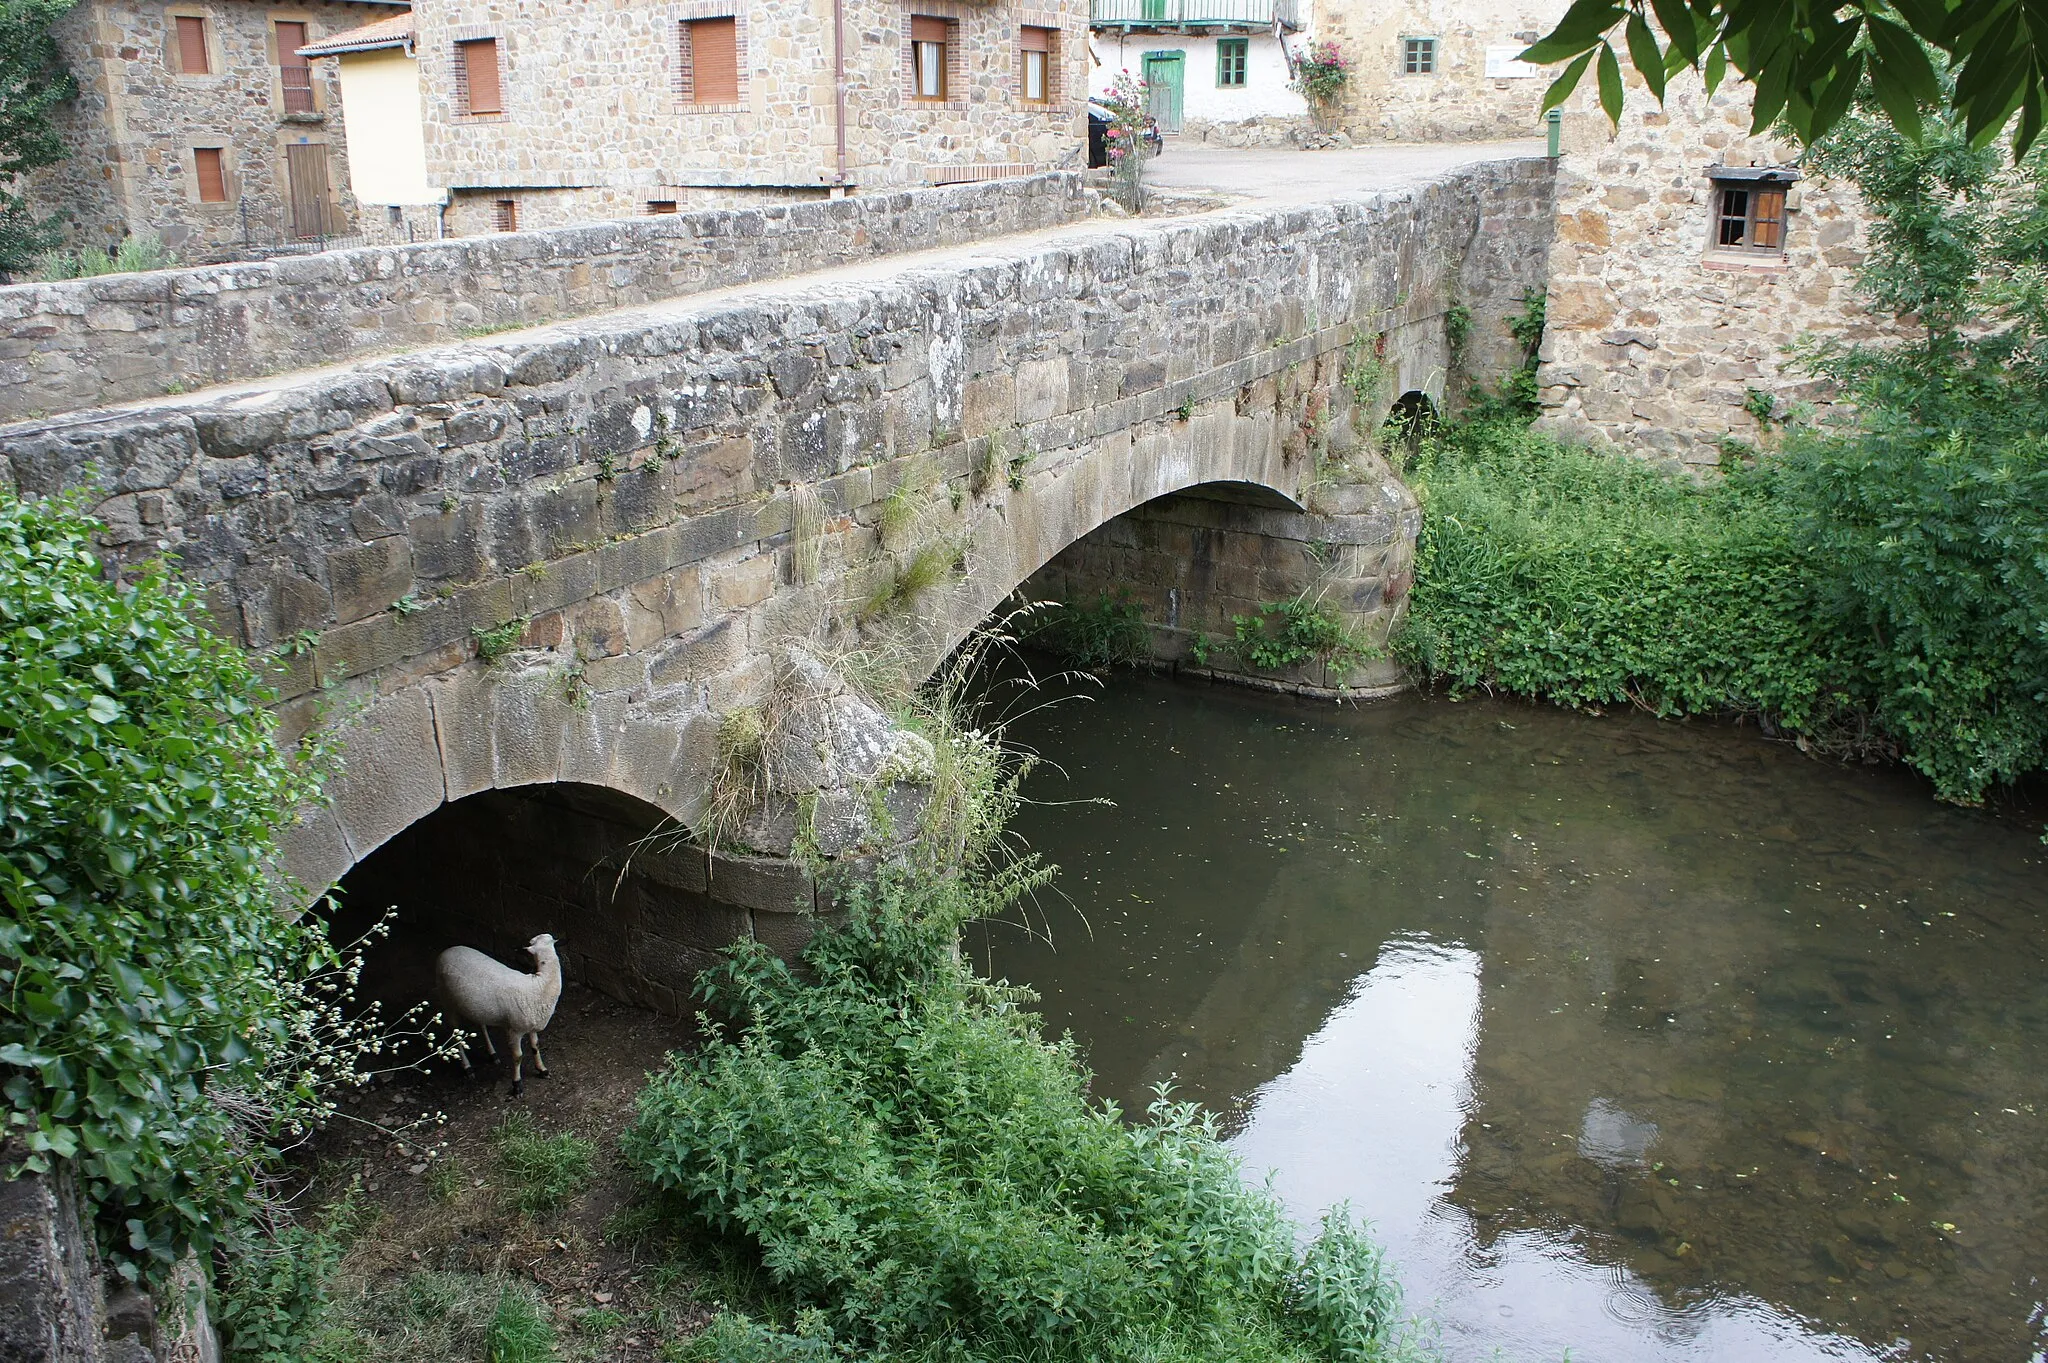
(540, 1066)
(518, 1079)
(488, 1044)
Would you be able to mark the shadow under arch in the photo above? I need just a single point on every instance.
(619, 885)
(1412, 417)
(984, 592)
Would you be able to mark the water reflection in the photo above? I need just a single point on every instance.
(1642, 1041)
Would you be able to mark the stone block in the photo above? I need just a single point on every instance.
(748, 582)
(49, 1294)
(390, 773)
(989, 403)
(772, 885)
(369, 577)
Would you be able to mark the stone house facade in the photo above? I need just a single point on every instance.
(651, 106)
(1217, 71)
(1439, 70)
(197, 123)
(1689, 258)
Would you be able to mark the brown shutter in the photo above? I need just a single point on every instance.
(1770, 219)
(923, 30)
(480, 67)
(192, 46)
(1037, 39)
(290, 38)
(213, 178)
(715, 61)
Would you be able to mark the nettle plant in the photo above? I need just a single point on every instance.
(168, 1025)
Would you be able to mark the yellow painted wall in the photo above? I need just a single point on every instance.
(387, 149)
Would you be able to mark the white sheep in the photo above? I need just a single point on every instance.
(487, 994)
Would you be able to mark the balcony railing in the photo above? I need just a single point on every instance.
(298, 89)
(1194, 13)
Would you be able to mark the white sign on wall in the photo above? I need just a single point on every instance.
(1501, 64)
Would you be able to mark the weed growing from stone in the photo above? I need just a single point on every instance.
(498, 640)
(806, 533)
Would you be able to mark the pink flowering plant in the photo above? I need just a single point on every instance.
(1125, 102)
(1320, 75)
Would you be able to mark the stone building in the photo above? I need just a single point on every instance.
(1439, 70)
(1689, 258)
(529, 118)
(198, 122)
(1216, 70)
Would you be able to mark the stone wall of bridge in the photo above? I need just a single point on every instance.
(563, 555)
(83, 343)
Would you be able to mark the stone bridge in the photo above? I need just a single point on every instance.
(525, 582)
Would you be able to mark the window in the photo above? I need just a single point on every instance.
(477, 70)
(505, 215)
(661, 207)
(293, 72)
(711, 61)
(1749, 216)
(930, 40)
(1034, 75)
(193, 57)
(209, 165)
(1230, 62)
(1418, 56)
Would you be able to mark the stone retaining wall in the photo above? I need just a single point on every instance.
(88, 342)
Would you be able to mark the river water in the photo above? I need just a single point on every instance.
(1643, 1041)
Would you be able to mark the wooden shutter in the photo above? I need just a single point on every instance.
(295, 77)
(213, 175)
(505, 215)
(1037, 39)
(192, 58)
(923, 30)
(715, 61)
(1770, 220)
(480, 69)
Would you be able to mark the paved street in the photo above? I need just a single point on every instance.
(1284, 175)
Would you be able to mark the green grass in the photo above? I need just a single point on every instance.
(545, 1170)
(518, 1333)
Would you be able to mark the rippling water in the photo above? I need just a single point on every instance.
(1646, 1041)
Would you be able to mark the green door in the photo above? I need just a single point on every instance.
(1164, 72)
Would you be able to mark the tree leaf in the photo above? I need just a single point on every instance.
(1679, 28)
(1561, 89)
(1610, 84)
(1645, 56)
(1581, 27)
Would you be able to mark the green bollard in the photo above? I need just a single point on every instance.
(1553, 124)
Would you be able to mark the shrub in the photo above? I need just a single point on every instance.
(1110, 633)
(927, 1177)
(160, 1029)
(1589, 579)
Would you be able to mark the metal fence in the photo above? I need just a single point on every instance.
(268, 230)
(1195, 13)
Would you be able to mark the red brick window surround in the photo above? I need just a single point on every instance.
(479, 76)
(1037, 66)
(934, 56)
(709, 62)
